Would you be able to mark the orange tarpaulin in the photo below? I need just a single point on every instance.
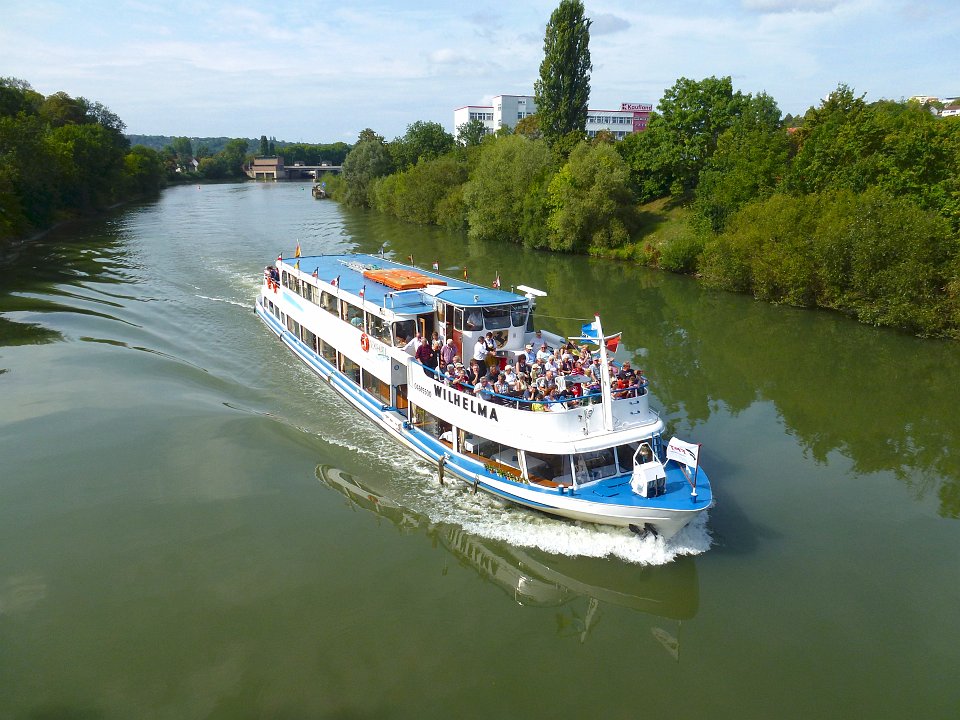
(401, 279)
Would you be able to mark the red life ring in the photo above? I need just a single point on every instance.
(365, 342)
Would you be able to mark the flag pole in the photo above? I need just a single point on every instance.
(693, 492)
(606, 395)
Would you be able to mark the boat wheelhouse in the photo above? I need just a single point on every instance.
(596, 456)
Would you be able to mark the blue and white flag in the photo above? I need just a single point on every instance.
(591, 331)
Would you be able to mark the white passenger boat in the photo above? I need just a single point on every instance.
(592, 453)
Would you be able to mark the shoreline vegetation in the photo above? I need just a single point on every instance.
(853, 207)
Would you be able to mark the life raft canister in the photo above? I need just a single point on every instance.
(365, 342)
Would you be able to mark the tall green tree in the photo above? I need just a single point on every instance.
(591, 204)
(422, 141)
(369, 159)
(508, 171)
(749, 162)
(471, 133)
(682, 136)
(563, 89)
(234, 156)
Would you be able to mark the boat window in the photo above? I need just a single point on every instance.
(293, 326)
(473, 319)
(353, 315)
(555, 468)
(499, 454)
(378, 327)
(375, 386)
(625, 456)
(310, 292)
(329, 352)
(458, 318)
(518, 314)
(530, 328)
(350, 369)
(329, 303)
(595, 465)
(309, 338)
(496, 317)
(403, 331)
(430, 423)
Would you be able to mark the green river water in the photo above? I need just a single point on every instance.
(177, 540)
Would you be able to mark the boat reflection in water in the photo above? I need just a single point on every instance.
(535, 578)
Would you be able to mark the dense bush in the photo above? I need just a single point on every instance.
(874, 255)
(509, 169)
(60, 156)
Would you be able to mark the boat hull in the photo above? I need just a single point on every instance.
(666, 515)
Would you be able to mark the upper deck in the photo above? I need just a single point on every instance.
(347, 271)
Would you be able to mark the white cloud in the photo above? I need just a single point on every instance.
(302, 72)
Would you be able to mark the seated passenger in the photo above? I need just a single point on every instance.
(547, 382)
(536, 370)
(474, 373)
(543, 353)
(554, 403)
(522, 383)
(483, 390)
(460, 381)
(510, 375)
(593, 391)
(536, 397)
(522, 365)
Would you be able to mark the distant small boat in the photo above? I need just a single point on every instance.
(319, 192)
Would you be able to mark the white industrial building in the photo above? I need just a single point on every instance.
(508, 110)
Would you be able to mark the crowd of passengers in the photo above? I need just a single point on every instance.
(541, 380)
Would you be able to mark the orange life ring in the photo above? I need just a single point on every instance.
(365, 342)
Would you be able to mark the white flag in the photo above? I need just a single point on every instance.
(683, 452)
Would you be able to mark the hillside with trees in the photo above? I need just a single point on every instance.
(853, 207)
(61, 157)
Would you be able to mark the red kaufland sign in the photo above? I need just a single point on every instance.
(637, 107)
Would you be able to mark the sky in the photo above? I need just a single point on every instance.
(320, 72)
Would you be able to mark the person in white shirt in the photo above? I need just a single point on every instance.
(480, 350)
(411, 347)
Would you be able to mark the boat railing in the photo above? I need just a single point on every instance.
(568, 402)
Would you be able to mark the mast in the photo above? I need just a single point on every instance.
(606, 395)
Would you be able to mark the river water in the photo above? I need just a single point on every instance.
(191, 525)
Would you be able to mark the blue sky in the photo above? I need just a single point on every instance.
(322, 71)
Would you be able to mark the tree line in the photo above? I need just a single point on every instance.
(62, 156)
(854, 206)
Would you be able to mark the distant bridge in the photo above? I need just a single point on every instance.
(272, 168)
